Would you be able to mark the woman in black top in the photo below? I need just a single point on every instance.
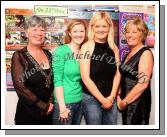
(134, 97)
(32, 77)
(99, 72)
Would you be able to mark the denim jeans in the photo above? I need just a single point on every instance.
(74, 119)
(94, 114)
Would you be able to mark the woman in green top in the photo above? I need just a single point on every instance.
(67, 79)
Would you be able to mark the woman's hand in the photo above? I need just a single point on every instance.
(111, 98)
(122, 104)
(50, 109)
(64, 115)
(118, 101)
(107, 104)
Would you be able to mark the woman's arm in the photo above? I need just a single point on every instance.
(24, 94)
(117, 77)
(58, 61)
(85, 74)
(145, 67)
(64, 111)
(60, 98)
(119, 100)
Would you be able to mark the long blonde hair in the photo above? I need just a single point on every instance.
(98, 16)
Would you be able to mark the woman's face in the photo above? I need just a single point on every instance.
(101, 30)
(77, 34)
(133, 36)
(36, 35)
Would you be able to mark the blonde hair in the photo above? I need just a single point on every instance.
(98, 16)
(141, 27)
(71, 24)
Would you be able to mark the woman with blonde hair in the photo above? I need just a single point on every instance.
(134, 97)
(99, 72)
(67, 79)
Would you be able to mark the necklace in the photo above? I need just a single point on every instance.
(39, 68)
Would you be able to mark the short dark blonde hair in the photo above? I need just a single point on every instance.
(35, 21)
(141, 27)
(71, 24)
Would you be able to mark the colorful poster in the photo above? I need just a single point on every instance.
(123, 17)
(150, 21)
(13, 11)
(15, 22)
(55, 32)
(15, 40)
(15, 19)
(54, 23)
(57, 38)
(9, 82)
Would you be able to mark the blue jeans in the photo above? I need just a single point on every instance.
(74, 119)
(94, 114)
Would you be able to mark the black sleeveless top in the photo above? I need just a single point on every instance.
(102, 68)
(138, 111)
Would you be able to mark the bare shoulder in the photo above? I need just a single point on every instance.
(147, 54)
(146, 59)
(88, 46)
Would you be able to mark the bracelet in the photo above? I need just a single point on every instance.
(63, 111)
(126, 102)
(113, 98)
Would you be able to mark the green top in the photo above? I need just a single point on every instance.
(66, 73)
